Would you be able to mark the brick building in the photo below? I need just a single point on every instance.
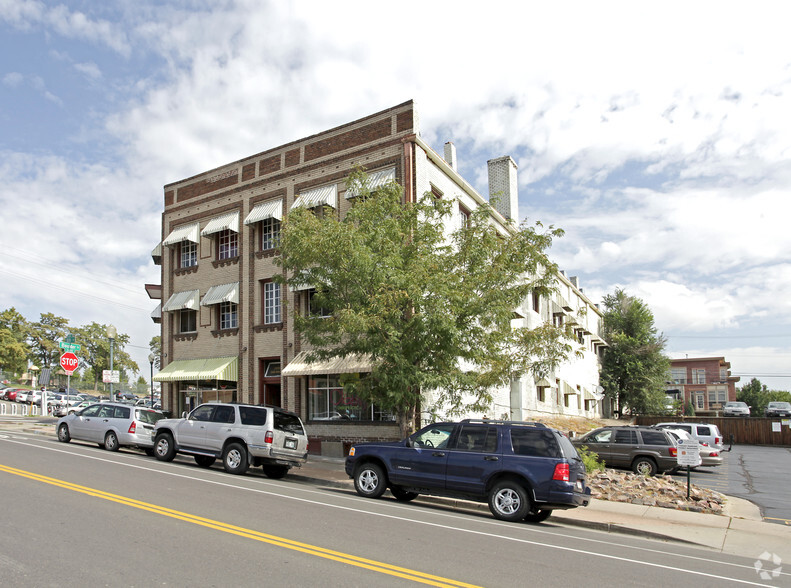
(705, 381)
(226, 331)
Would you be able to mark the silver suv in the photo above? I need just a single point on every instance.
(240, 434)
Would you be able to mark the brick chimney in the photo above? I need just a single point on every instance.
(503, 186)
(450, 155)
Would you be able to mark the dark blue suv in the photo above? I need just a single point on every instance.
(523, 470)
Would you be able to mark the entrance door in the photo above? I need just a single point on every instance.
(272, 394)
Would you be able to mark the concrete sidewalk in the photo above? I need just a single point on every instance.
(739, 531)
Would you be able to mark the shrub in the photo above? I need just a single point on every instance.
(590, 459)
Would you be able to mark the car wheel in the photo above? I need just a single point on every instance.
(164, 449)
(537, 516)
(645, 466)
(369, 481)
(63, 433)
(234, 459)
(508, 501)
(275, 472)
(111, 441)
(402, 495)
(205, 461)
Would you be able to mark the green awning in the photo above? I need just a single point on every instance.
(213, 368)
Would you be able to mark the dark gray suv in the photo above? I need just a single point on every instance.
(645, 450)
(523, 470)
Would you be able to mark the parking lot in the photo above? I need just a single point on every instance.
(760, 474)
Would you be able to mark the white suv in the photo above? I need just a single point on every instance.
(240, 434)
(705, 433)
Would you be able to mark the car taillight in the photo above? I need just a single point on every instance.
(714, 454)
(673, 451)
(562, 472)
(269, 437)
(133, 427)
(717, 440)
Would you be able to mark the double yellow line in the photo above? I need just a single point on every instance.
(345, 558)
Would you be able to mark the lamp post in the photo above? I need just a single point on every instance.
(151, 359)
(112, 333)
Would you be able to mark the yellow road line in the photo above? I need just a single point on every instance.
(353, 560)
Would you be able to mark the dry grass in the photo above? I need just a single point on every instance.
(580, 425)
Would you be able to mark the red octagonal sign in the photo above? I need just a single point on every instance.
(69, 362)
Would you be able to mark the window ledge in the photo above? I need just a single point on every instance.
(266, 253)
(182, 271)
(225, 333)
(268, 328)
(185, 336)
(225, 262)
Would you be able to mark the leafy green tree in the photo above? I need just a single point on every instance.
(155, 345)
(95, 351)
(430, 304)
(634, 368)
(44, 337)
(14, 347)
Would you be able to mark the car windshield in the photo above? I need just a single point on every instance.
(148, 416)
(289, 423)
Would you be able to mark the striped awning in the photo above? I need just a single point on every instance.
(273, 209)
(376, 180)
(182, 300)
(544, 383)
(184, 233)
(352, 364)
(156, 314)
(214, 368)
(326, 195)
(222, 293)
(156, 254)
(228, 222)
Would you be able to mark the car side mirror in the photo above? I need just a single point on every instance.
(184, 414)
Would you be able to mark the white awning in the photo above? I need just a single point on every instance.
(273, 209)
(182, 300)
(223, 293)
(184, 233)
(228, 222)
(156, 314)
(352, 364)
(376, 180)
(544, 383)
(326, 195)
(156, 254)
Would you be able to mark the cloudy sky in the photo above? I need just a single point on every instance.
(656, 135)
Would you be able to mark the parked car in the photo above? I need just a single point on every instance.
(778, 409)
(709, 456)
(736, 409)
(523, 470)
(21, 396)
(66, 409)
(646, 450)
(5, 391)
(240, 435)
(112, 425)
(10, 394)
(705, 433)
(70, 399)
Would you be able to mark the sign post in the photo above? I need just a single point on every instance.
(688, 455)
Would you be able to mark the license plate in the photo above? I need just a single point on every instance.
(291, 443)
(578, 485)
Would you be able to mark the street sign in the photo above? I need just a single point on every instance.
(69, 362)
(688, 452)
(111, 377)
(69, 346)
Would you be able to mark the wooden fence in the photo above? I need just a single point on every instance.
(749, 431)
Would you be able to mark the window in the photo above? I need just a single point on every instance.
(202, 413)
(698, 376)
(188, 321)
(625, 437)
(678, 375)
(700, 401)
(252, 415)
(188, 254)
(314, 308)
(477, 438)
(228, 315)
(271, 303)
(328, 401)
(534, 442)
(270, 233)
(227, 244)
(464, 217)
(436, 437)
(272, 369)
(718, 395)
(536, 299)
(654, 438)
(223, 414)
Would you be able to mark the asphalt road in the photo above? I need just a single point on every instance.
(78, 515)
(759, 474)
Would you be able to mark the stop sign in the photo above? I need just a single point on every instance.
(69, 362)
